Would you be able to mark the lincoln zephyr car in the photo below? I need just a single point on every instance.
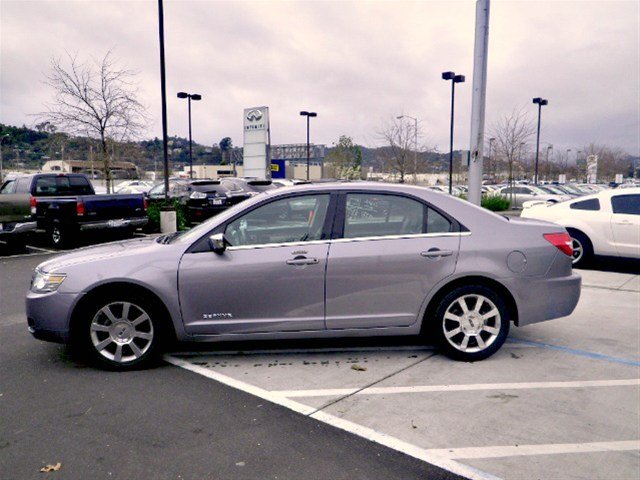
(319, 260)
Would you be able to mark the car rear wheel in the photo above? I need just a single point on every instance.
(582, 249)
(61, 237)
(472, 323)
(121, 333)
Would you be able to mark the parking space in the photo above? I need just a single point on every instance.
(560, 400)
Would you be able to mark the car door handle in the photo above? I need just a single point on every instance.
(302, 261)
(623, 222)
(436, 252)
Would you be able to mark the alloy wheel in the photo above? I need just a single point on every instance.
(471, 323)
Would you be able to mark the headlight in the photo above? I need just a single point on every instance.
(46, 282)
(198, 195)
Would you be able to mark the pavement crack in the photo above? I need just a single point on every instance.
(369, 385)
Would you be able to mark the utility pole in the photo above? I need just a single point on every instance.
(480, 58)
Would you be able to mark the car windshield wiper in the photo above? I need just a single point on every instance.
(168, 238)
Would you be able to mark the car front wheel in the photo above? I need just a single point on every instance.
(121, 333)
(472, 323)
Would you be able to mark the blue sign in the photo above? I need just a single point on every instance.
(278, 169)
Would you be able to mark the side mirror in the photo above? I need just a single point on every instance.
(218, 243)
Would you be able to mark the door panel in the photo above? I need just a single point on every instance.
(383, 282)
(251, 290)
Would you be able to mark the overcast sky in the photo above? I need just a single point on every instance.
(358, 64)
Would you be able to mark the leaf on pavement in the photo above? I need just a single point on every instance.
(358, 368)
(51, 468)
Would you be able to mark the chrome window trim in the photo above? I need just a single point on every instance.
(348, 240)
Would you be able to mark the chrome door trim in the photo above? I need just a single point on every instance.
(349, 240)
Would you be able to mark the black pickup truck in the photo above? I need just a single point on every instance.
(63, 205)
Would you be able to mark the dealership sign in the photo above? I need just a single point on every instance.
(592, 168)
(257, 140)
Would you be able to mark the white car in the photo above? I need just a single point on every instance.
(606, 223)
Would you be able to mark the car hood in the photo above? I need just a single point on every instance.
(106, 251)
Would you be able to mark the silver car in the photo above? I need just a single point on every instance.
(320, 260)
(519, 194)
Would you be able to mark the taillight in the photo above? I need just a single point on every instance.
(145, 203)
(33, 202)
(80, 209)
(562, 241)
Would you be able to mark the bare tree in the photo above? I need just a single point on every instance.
(97, 99)
(398, 154)
(511, 133)
(611, 160)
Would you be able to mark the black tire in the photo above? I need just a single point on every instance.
(484, 336)
(582, 249)
(61, 237)
(137, 335)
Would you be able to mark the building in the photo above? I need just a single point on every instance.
(93, 169)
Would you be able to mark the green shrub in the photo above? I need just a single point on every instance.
(153, 212)
(495, 203)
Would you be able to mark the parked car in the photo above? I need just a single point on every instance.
(63, 205)
(319, 260)
(133, 186)
(202, 199)
(519, 194)
(251, 186)
(16, 219)
(606, 223)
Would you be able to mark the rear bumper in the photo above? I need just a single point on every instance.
(115, 223)
(17, 228)
(546, 298)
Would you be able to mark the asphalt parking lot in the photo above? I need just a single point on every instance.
(560, 400)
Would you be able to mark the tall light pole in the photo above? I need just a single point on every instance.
(540, 102)
(454, 79)
(415, 140)
(308, 115)
(163, 90)
(189, 97)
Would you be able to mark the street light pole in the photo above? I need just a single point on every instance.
(540, 102)
(308, 115)
(415, 141)
(189, 97)
(454, 79)
(163, 89)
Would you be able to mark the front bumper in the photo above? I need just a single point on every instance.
(544, 298)
(49, 315)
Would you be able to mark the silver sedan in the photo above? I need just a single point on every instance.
(313, 261)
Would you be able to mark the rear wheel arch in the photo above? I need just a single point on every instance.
(110, 289)
(497, 287)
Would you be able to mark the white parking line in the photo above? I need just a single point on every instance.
(454, 388)
(522, 450)
(378, 437)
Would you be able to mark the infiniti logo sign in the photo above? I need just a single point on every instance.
(254, 115)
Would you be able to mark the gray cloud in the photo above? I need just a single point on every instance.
(356, 63)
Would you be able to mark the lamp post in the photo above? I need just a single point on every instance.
(308, 115)
(415, 143)
(540, 102)
(189, 97)
(454, 79)
(491, 140)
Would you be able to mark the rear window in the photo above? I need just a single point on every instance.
(591, 204)
(627, 204)
(63, 185)
(208, 187)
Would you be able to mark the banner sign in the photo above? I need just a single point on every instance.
(592, 169)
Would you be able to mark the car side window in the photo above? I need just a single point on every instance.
(8, 187)
(294, 219)
(626, 204)
(437, 223)
(379, 215)
(591, 204)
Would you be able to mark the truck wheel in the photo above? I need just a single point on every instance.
(60, 237)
